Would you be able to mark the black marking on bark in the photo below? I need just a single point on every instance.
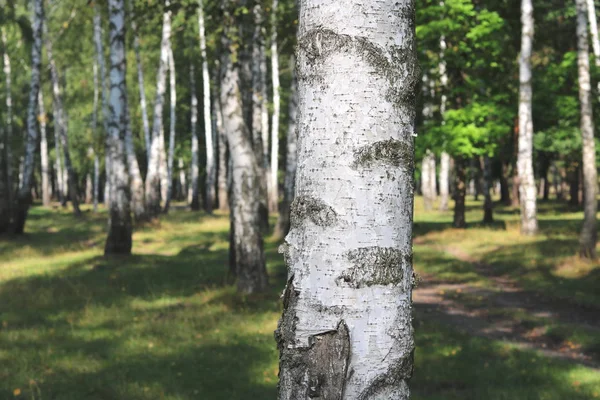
(286, 327)
(399, 371)
(375, 266)
(316, 210)
(390, 152)
(318, 371)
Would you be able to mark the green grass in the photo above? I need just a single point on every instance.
(164, 323)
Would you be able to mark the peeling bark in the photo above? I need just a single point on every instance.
(346, 328)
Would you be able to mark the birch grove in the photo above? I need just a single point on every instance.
(346, 325)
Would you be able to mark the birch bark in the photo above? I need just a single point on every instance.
(135, 176)
(444, 181)
(274, 185)
(222, 176)
(24, 196)
(172, 125)
(60, 121)
(44, 151)
(195, 167)
(283, 224)
(119, 225)
(94, 136)
(211, 168)
(529, 224)
(589, 233)
(153, 178)
(247, 238)
(346, 329)
(8, 131)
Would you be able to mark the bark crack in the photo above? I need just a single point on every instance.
(375, 266)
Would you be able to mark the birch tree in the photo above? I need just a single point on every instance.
(211, 168)
(96, 182)
(119, 225)
(8, 130)
(44, 151)
(283, 223)
(61, 124)
(346, 329)
(274, 186)
(153, 178)
(444, 181)
(172, 125)
(140, 74)
(24, 195)
(135, 176)
(195, 167)
(589, 232)
(222, 144)
(527, 189)
(445, 157)
(247, 241)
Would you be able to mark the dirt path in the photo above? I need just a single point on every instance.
(505, 312)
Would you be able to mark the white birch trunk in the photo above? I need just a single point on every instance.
(426, 175)
(274, 186)
(182, 179)
(211, 168)
(94, 136)
(589, 232)
(61, 123)
(24, 196)
(444, 181)
(346, 330)
(527, 189)
(155, 165)
(247, 243)
(58, 168)
(172, 125)
(283, 224)
(140, 74)
(8, 131)
(119, 226)
(195, 167)
(135, 176)
(222, 176)
(591, 10)
(44, 151)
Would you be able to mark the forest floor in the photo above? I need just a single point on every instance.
(497, 315)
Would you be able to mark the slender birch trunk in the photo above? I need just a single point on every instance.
(24, 195)
(426, 175)
(104, 91)
(346, 329)
(94, 136)
(119, 225)
(222, 176)
(444, 181)
(211, 168)
(8, 131)
(528, 195)
(153, 178)
(589, 232)
(44, 151)
(274, 186)
(591, 9)
(140, 74)
(488, 205)
(289, 185)
(60, 121)
(58, 167)
(460, 192)
(247, 240)
(195, 167)
(135, 176)
(5, 209)
(182, 179)
(172, 125)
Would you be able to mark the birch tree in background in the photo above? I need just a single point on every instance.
(283, 223)
(119, 225)
(153, 178)
(444, 181)
(195, 167)
(140, 73)
(346, 328)
(24, 195)
(274, 186)
(211, 167)
(135, 176)
(247, 241)
(428, 180)
(96, 182)
(527, 189)
(589, 232)
(445, 157)
(222, 144)
(43, 118)
(61, 124)
(172, 125)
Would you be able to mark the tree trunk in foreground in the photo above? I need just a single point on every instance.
(245, 194)
(153, 178)
(589, 233)
(528, 195)
(211, 168)
(119, 225)
(24, 195)
(346, 330)
(291, 163)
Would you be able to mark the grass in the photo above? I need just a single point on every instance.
(164, 323)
